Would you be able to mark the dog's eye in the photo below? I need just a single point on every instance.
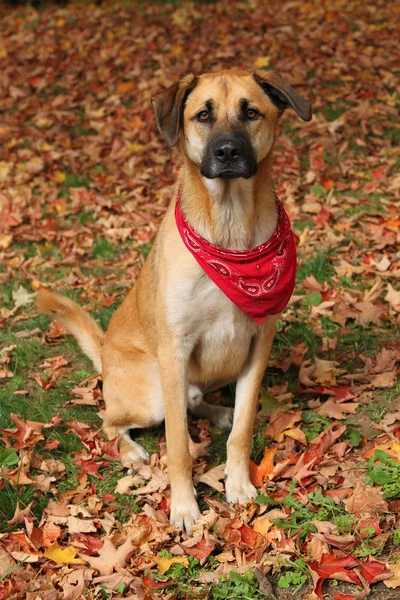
(251, 113)
(203, 116)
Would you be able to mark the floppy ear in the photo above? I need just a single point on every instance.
(282, 94)
(168, 106)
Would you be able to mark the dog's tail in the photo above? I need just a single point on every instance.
(82, 326)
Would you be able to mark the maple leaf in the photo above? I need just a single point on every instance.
(74, 584)
(63, 556)
(262, 525)
(393, 581)
(280, 421)
(373, 570)
(27, 433)
(333, 410)
(393, 297)
(213, 477)
(22, 297)
(250, 537)
(201, 550)
(20, 515)
(331, 567)
(164, 564)
(258, 473)
(110, 557)
(366, 500)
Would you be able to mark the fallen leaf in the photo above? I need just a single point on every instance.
(164, 564)
(22, 297)
(366, 500)
(63, 556)
(110, 557)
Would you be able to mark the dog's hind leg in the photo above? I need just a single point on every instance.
(222, 416)
(132, 393)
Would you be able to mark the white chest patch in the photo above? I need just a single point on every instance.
(199, 312)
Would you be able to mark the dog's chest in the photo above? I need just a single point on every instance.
(215, 333)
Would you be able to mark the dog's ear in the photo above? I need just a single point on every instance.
(168, 106)
(282, 94)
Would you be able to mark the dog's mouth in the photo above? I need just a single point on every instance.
(229, 156)
(228, 174)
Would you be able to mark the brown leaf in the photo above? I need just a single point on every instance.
(110, 557)
(212, 477)
(366, 500)
(334, 410)
(384, 380)
(20, 515)
(280, 421)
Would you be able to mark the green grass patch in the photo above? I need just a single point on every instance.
(319, 265)
(102, 248)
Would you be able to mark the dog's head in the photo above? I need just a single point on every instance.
(226, 121)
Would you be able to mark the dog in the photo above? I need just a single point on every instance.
(200, 314)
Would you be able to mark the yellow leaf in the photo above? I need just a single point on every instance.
(262, 525)
(125, 87)
(5, 240)
(60, 23)
(262, 62)
(165, 563)
(394, 581)
(59, 177)
(133, 148)
(63, 556)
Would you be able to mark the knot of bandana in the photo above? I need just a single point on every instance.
(259, 281)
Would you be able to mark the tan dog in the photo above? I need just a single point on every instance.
(177, 335)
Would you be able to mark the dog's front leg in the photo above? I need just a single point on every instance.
(174, 382)
(238, 485)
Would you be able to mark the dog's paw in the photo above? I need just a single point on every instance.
(184, 513)
(239, 490)
(222, 416)
(133, 454)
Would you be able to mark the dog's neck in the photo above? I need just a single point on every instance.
(237, 214)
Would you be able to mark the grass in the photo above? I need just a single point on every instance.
(320, 265)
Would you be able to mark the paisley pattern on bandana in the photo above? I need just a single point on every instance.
(258, 281)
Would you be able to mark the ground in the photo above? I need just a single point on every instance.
(84, 182)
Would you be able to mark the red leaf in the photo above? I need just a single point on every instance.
(92, 542)
(26, 434)
(201, 550)
(339, 596)
(331, 567)
(110, 449)
(249, 537)
(324, 216)
(369, 523)
(318, 448)
(341, 392)
(373, 570)
(47, 385)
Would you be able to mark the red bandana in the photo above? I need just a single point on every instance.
(259, 281)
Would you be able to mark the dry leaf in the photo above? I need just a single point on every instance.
(164, 564)
(63, 556)
(366, 500)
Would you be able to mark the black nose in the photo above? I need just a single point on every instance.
(227, 151)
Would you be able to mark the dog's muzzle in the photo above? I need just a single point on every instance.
(229, 156)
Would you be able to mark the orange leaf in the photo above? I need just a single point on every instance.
(126, 86)
(266, 467)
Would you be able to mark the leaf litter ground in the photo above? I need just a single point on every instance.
(85, 180)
